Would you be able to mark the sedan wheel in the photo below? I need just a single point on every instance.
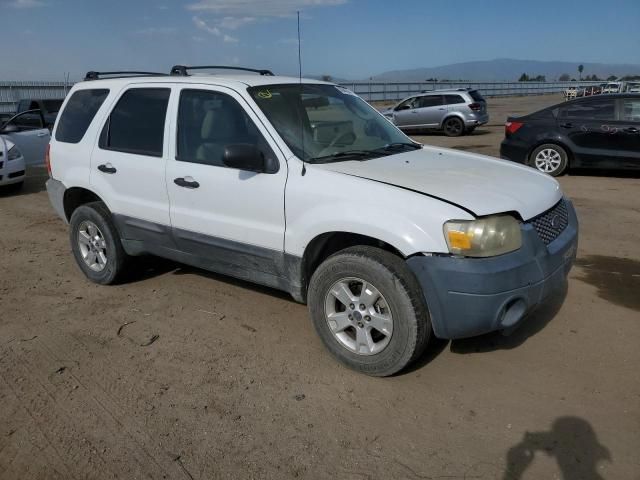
(550, 159)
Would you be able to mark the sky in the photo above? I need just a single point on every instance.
(348, 39)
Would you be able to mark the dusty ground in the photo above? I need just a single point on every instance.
(183, 374)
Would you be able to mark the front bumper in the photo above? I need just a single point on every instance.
(12, 171)
(472, 296)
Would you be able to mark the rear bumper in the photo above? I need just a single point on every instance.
(56, 189)
(473, 296)
(475, 120)
(514, 150)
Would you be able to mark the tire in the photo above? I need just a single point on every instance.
(470, 130)
(392, 283)
(104, 238)
(453, 127)
(549, 158)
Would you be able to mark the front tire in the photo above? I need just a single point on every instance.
(549, 158)
(453, 127)
(369, 310)
(95, 243)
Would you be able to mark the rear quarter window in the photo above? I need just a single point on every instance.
(78, 114)
(453, 99)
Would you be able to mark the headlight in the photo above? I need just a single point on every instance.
(14, 153)
(485, 237)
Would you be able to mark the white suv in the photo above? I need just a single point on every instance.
(303, 186)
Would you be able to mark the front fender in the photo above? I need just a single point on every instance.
(323, 201)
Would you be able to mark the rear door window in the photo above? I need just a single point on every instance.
(430, 101)
(78, 114)
(592, 110)
(630, 111)
(136, 124)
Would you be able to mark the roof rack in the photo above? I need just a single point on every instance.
(182, 70)
(97, 75)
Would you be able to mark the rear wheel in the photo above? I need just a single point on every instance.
(96, 244)
(369, 310)
(549, 158)
(453, 127)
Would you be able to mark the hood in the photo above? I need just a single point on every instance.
(477, 183)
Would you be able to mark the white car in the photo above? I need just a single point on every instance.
(304, 187)
(12, 164)
(612, 87)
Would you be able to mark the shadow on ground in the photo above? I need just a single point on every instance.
(617, 279)
(573, 443)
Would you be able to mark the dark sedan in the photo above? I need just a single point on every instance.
(590, 132)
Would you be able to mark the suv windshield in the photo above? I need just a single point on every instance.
(326, 123)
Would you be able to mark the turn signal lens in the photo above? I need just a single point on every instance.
(484, 237)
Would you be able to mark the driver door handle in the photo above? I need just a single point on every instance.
(43, 134)
(567, 125)
(107, 168)
(631, 130)
(186, 182)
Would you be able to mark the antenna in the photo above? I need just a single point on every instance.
(301, 111)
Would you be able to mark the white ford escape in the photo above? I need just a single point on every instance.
(304, 187)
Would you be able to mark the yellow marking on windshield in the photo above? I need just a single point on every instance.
(265, 94)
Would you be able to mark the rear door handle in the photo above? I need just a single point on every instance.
(567, 125)
(186, 182)
(631, 130)
(107, 168)
(43, 134)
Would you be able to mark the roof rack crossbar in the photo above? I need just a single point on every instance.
(182, 70)
(127, 73)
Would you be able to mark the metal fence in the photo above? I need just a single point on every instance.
(395, 91)
(12, 92)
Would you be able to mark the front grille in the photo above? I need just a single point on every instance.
(552, 222)
(19, 173)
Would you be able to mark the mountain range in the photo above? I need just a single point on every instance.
(505, 69)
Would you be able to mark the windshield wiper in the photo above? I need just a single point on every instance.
(399, 145)
(346, 155)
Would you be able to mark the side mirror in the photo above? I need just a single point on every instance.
(9, 128)
(244, 156)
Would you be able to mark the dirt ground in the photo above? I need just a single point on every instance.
(183, 374)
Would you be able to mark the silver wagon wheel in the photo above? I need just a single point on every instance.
(358, 316)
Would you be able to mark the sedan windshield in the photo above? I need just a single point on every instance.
(327, 123)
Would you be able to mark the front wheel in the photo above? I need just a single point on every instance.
(369, 310)
(549, 158)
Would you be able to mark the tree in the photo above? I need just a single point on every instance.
(565, 77)
(327, 78)
(612, 78)
(580, 70)
(539, 78)
(524, 78)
